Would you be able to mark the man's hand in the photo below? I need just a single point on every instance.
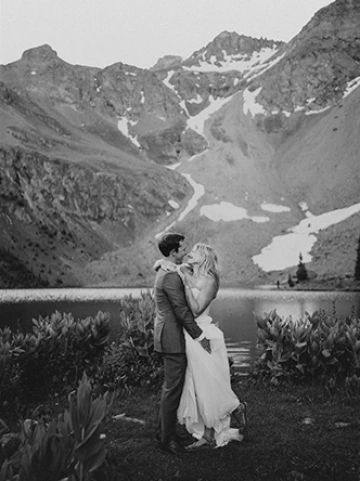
(206, 344)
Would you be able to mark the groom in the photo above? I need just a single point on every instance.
(172, 315)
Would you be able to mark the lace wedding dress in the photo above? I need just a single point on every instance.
(207, 398)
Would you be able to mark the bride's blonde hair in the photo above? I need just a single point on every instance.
(210, 265)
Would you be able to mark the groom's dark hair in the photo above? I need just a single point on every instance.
(170, 242)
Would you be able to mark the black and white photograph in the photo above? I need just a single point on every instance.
(179, 240)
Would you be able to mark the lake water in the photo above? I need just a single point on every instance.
(233, 309)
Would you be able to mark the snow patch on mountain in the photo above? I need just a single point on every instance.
(197, 100)
(228, 212)
(240, 62)
(313, 112)
(199, 191)
(283, 252)
(263, 67)
(167, 81)
(123, 126)
(198, 121)
(274, 208)
(250, 104)
(351, 86)
(174, 204)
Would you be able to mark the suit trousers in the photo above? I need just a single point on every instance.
(174, 377)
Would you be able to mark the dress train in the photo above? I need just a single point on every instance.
(207, 398)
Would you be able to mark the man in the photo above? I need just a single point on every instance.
(172, 315)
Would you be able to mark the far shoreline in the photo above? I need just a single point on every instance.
(310, 286)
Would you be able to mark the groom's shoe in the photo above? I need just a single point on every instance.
(186, 441)
(184, 438)
(173, 447)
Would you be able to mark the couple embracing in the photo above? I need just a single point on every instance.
(197, 390)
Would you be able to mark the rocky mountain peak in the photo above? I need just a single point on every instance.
(40, 55)
(230, 46)
(233, 43)
(167, 62)
(321, 61)
(339, 20)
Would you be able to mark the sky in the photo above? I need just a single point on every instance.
(98, 33)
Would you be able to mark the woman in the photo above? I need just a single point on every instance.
(207, 399)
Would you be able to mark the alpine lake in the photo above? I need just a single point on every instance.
(233, 310)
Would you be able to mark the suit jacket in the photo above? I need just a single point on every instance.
(172, 314)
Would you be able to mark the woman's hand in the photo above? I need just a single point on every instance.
(185, 272)
(181, 273)
(164, 264)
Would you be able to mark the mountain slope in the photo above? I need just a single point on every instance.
(254, 129)
(67, 195)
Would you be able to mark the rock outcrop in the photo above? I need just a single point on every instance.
(49, 205)
(317, 65)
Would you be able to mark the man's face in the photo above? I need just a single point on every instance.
(181, 253)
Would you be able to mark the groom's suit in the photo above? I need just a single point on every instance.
(172, 315)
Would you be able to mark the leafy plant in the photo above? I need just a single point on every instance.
(52, 357)
(85, 418)
(131, 359)
(318, 347)
(71, 346)
(69, 448)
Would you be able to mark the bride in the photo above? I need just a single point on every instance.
(207, 400)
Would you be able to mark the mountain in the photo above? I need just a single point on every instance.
(73, 186)
(95, 163)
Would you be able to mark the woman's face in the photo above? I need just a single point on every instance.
(196, 256)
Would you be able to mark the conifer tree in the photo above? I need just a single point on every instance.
(301, 273)
(290, 281)
(357, 265)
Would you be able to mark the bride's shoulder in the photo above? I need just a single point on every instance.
(211, 283)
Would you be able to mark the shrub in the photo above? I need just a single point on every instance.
(68, 347)
(69, 447)
(131, 359)
(51, 358)
(60, 348)
(317, 348)
(9, 368)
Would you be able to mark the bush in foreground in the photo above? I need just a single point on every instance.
(68, 448)
(52, 357)
(131, 360)
(318, 348)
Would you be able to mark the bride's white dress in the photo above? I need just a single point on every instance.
(207, 398)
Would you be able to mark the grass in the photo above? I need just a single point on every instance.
(295, 433)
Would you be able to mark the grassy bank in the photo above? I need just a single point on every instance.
(295, 433)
